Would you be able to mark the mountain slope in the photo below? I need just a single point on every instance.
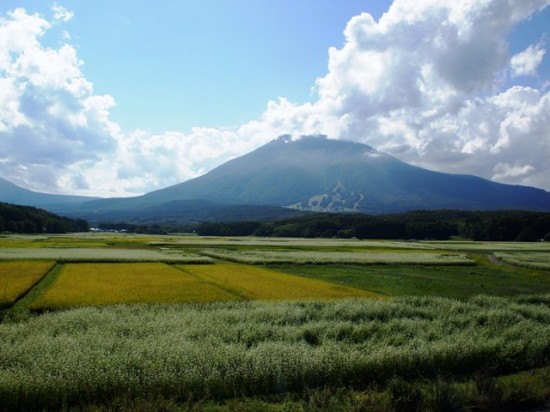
(315, 171)
(312, 173)
(11, 193)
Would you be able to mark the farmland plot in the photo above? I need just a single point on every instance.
(84, 254)
(534, 260)
(253, 283)
(100, 284)
(288, 256)
(17, 277)
(487, 247)
(237, 349)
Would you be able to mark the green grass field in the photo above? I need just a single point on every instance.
(420, 280)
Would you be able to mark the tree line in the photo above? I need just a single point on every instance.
(27, 219)
(438, 225)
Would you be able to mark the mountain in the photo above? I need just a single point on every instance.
(313, 173)
(11, 193)
(319, 174)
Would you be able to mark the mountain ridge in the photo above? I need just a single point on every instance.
(312, 173)
(286, 172)
(11, 193)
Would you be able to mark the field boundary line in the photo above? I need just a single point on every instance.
(22, 308)
(235, 292)
(35, 283)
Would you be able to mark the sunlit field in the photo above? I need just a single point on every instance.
(253, 283)
(89, 284)
(17, 277)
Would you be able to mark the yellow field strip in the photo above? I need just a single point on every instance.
(100, 284)
(18, 277)
(253, 282)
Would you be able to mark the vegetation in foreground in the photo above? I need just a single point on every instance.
(520, 391)
(423, 353)
(228, 350)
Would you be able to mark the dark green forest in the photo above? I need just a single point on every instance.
(27, 219)
(439, 225)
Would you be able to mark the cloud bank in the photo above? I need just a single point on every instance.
(431, 82)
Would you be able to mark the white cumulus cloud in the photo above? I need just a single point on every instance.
(61, 13)
(50, 118)
(527, 62)
(425, 83)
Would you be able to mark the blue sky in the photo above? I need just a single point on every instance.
(120, 98)
(174, 65)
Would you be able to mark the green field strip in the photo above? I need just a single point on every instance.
(449, 281)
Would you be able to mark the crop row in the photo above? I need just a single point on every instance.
(242, 348)
(288, 256)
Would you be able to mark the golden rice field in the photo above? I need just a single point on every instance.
(253, 283)
(100, 284)
(17, 277)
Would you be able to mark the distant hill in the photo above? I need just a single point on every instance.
(27, 219)
(12, 193)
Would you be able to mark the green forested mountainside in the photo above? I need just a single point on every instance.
(26, 219)
(440, 224)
